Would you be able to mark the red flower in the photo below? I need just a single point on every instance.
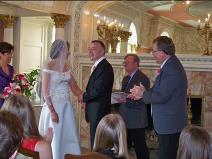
(20, 85)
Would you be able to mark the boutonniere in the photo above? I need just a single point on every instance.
(158, 71)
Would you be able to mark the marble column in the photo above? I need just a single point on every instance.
(123, 47)
(124, 41)
(8, 22)
(60, 20)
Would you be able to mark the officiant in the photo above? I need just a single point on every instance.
(134, 112)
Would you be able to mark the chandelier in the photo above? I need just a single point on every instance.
(112, 33)
(204, 29)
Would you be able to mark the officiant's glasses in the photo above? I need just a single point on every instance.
(154, 51)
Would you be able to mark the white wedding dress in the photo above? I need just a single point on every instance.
(65, 138)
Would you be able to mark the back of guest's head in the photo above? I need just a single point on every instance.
(195, 143)
(22, 108)
(6, 47)
(11, 134)
(165, 44)
(111, 133)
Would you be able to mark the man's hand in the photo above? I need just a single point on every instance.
(80, 100)
(136, 92)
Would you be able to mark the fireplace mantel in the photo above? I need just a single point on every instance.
(189, 61)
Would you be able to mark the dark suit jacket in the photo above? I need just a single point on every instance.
(168, 98)
(98, 92)
(134, 112)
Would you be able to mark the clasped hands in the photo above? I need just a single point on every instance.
(136, 92)
(80, 99)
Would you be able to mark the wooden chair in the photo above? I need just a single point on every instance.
(27, 154)
(91, 155)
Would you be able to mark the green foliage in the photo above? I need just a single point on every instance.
(32, 78)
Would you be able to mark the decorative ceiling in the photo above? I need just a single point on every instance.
(177, 11)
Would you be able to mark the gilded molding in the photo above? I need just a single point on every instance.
(7, 20)
(59, 19)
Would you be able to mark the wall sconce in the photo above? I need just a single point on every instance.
(205, 30)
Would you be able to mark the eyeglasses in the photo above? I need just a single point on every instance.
(152, 52)
(127, 62)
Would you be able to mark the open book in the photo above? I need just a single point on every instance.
(118, 97)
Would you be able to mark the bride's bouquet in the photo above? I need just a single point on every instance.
(20, 85)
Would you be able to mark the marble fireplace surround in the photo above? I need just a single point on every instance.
(198, 69)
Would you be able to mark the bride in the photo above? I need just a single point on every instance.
(57, 111)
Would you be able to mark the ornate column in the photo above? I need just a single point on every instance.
(60, 21)
(8, 22)
(124, 41)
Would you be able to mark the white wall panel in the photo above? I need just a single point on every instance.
(33, 42)
(30, 57)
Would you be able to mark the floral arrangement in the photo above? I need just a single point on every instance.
(22, 84)
(19, 85)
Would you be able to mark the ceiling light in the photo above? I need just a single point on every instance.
(86, 12)
(96, 15)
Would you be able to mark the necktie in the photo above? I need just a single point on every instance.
(125, 82)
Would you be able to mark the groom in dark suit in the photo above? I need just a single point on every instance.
(134, 112)
(168, 97)
(97, 97)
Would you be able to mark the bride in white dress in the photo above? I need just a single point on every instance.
(57, 111)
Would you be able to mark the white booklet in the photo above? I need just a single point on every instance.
(118, 97)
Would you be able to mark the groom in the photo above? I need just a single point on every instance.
(97, 96)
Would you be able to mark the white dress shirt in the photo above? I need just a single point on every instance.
(96, 63)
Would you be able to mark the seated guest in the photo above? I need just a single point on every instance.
(110, 138)
(21, 106)
(195, 143)
(11, 134)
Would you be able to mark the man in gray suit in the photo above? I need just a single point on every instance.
(168, 97)
(134, 112)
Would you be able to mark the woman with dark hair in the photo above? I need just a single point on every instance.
(6, 70)
(195, 143)
(11, 134)
(22, 108)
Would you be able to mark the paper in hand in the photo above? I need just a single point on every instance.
(118, 97)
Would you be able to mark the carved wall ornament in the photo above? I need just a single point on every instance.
(59, 19)
(7, 20)
(77, 24)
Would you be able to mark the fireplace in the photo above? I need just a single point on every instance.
(197, 106)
